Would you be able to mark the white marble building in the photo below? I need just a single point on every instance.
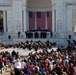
(64, 12)
(16, 15)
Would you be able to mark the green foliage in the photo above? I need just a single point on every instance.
(1, 21)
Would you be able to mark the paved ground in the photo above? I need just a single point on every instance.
(6, 72)
(24, 52)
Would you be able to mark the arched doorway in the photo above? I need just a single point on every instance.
(1, 22)
(40, 14)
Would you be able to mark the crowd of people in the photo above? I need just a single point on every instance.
(36, 34)
(59, 62)
(31, 45)
(34, 45)
(7, 58)
(2, 45)
(45, 63)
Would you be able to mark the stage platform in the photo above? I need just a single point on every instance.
(14, 39)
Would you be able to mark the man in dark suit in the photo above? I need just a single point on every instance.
(19, 34)
(44, 34)
(36, 34)
(27, 34)
(31, 35)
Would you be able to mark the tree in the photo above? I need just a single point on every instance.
(1, 21)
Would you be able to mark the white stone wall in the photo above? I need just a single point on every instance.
(63, 14)
(69, 20)
(71, 1)
(60, 15)
(17, 17)
(63, 17)
(5, 2)
(9, 20)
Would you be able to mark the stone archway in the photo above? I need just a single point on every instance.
(40, 14)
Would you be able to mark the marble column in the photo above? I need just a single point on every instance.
(53, 15)
(35, 21)
(4, 21)
(46, 20)
(26, 20)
